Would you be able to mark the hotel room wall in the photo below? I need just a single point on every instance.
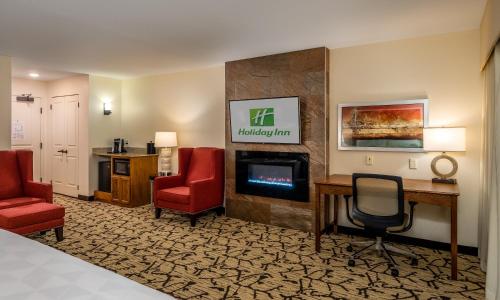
(445, 69)
(102, 128)
(5, 103)
(190, 103)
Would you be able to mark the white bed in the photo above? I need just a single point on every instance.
(30, 270)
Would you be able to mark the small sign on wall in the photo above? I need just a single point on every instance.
(17, 130)
(273, 120)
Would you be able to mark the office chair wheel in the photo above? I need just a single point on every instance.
(394, 272)
(351, 263)
(414, 261)
(349, 248)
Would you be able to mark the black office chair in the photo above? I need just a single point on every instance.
(378, 207)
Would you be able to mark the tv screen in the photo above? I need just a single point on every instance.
(275, 120)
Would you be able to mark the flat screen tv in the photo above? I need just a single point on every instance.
(272, 120)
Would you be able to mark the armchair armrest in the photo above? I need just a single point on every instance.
(38, 190)
(205, 194)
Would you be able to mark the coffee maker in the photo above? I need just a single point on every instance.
(119, 146)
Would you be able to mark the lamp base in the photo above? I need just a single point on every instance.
(444, 180)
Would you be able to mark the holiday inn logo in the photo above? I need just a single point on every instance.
(262, 116)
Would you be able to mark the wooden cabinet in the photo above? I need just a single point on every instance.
(120, 189)
(132, 190)
(115, 184)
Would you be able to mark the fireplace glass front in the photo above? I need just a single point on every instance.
(281, 175)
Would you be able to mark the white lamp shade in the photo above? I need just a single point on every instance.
(165, 139)
(444, 139)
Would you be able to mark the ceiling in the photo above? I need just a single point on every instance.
(21, 68)
(129, 38)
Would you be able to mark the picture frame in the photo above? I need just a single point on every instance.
(395, 125)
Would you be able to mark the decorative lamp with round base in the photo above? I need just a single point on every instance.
(444, 140)
(165, 140)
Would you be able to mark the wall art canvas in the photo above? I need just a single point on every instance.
(383, 126)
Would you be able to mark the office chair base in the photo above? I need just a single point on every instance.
(383, 250)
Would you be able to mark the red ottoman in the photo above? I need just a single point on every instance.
(32, 218)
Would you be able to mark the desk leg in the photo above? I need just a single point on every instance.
(326, 213)
(335, 213)
(317, 219)
(454, 249)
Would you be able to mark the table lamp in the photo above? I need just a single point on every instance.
(444, 140)
(165, 140)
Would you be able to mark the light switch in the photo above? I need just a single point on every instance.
(369, 160)
(412, 163)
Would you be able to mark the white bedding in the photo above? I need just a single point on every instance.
(30, 270)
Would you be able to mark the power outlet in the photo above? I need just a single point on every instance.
(369, 160)
(412, 163)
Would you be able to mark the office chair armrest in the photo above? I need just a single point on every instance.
(410, 219)
(347, 212)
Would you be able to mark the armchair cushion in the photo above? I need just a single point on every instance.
(14, 202)
(30, 214)
(10, 179)
(166, 182)
(179, 194)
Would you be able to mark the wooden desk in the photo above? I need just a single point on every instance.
(420, 191)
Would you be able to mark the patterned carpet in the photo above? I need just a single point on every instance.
(223, 258)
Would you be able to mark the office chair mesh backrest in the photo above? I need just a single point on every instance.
(378, 200)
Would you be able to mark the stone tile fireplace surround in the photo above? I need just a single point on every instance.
(301, 73)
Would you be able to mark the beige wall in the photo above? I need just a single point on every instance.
(190, 103)
(37, 88)
(443, 68)
(71, 86)
(5, 102)
(102, 128)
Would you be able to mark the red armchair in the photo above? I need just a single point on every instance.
(26, 206)
(16, 180)
(198, 187)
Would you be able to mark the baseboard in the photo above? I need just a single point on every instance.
(412, 241)
(87, 198)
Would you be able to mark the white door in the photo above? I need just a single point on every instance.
(64, 144)
(26, 130)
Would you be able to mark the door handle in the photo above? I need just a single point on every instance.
(63, 151)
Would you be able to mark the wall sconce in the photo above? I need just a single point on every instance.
(107, 108)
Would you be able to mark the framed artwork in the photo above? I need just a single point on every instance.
(383, 126)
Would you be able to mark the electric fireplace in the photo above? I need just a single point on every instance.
(283, 175)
